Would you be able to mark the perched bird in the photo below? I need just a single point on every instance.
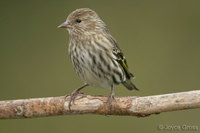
(95, 54)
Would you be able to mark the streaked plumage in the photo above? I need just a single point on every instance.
(94, 53)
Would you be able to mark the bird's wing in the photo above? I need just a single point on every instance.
(120, 58)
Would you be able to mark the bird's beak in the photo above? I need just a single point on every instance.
(65, 25)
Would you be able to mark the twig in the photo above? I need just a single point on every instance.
(86, 104)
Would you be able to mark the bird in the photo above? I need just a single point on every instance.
(95, 54)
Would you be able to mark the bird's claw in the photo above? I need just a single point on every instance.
(74, 94)
(72, 98)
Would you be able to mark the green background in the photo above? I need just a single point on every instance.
(160, 39)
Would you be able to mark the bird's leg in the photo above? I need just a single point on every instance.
(111, 97)
(74, 94)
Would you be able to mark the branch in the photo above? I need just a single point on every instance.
(86, 104)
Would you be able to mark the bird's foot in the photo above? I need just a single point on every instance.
(72, 98)
(111, 98)
(74, 95)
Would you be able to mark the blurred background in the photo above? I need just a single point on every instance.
(160, 39)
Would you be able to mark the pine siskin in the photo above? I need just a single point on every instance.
(95, 54)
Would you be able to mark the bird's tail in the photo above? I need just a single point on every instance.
(129, 85)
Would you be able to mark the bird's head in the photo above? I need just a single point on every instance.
(83, 21)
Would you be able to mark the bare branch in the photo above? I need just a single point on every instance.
(86, 104)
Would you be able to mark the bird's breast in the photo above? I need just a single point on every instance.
(95, 65)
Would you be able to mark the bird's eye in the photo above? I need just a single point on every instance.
(78, 20)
